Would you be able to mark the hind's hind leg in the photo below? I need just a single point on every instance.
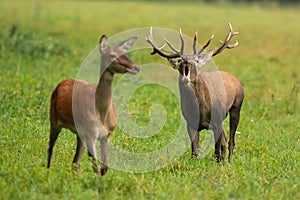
(54, 132)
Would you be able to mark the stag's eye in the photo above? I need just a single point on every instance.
(112, 56)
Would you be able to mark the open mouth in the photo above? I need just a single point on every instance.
(186, 71)
(186, 75)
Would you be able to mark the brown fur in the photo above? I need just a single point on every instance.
(215, 95)
(206, 97)
(87, 110)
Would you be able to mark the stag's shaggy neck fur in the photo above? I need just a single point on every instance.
(206, 98)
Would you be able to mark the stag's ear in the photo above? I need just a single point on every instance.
(205, 57)
(103, 43)
(126, 44)
(174, 63)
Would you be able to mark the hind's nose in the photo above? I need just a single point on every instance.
(138, 68)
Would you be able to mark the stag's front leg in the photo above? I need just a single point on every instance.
(104, 154)
(194, 137)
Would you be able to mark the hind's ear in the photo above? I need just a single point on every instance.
(126, 44)
(103, 43)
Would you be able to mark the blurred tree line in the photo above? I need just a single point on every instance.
(259, 1)
(282, 2)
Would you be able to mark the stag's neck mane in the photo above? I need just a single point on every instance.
(196, 87)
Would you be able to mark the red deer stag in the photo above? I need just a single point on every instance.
(205, 97)
(87, 110)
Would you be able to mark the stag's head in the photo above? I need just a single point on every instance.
(188, 65)
(115, 58)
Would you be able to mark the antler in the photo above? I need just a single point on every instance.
(182, 44)
(225, 44)
(194, 43)
(159, 51)
(206, 45)
(178, 54)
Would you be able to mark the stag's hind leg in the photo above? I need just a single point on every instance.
(234, 118)
(223, 145)
(220, 143)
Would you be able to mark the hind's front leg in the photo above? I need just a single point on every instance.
(91, 146)
(104, 154)
(79, 150)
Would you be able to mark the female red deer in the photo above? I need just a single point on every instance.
(87, 110)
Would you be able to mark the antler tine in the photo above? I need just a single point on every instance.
(150, 40)
(230, 46)
(158, 50)
(171, 46)
(182, 42)
(231, 30)
(225, 44)
(194, 43)
(206, 45)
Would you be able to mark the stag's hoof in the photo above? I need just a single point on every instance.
(103, 170)
(75, 167)
(218, 158)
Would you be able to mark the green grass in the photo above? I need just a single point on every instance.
(44, 42)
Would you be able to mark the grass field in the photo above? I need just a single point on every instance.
(44, 42)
